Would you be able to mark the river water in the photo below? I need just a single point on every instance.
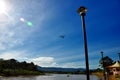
(51, 77)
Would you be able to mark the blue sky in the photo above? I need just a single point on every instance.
(41, 44)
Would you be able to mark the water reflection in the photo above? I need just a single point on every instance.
(50, 77)
(19, 78)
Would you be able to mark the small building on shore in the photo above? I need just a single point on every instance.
(114, 68)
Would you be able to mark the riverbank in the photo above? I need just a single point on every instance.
(17, 72)
(110, 77)
(98, 74)
(49, 77)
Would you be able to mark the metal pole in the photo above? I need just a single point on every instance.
(85, 46)
(103, 66)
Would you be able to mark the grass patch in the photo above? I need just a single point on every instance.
(98, 74)
(117, 76)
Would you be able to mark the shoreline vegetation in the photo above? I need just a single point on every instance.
(12, 67)
(11, 72)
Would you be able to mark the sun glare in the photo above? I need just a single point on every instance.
(2, 7)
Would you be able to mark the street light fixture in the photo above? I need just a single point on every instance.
(102, 54)
(82, 10)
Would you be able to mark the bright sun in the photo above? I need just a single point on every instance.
(2, 7)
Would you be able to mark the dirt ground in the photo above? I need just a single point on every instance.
(101, 77)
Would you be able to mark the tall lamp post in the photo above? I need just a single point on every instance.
(103, 65)
(82, 10)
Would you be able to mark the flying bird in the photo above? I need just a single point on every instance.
(62, 36)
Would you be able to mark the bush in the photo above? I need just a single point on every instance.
(16, 72)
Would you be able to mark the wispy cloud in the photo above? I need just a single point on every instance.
(71, 57)
(13, 32)
(80, 64)
(44, 61)
(51, 62)
(18, 55)
(10, 35)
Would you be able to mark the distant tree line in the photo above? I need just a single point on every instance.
(14, 67)
(14, 64)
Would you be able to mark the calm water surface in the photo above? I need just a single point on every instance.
(50, 77)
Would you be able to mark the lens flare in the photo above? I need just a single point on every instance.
(27, 22)
(22, 19)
